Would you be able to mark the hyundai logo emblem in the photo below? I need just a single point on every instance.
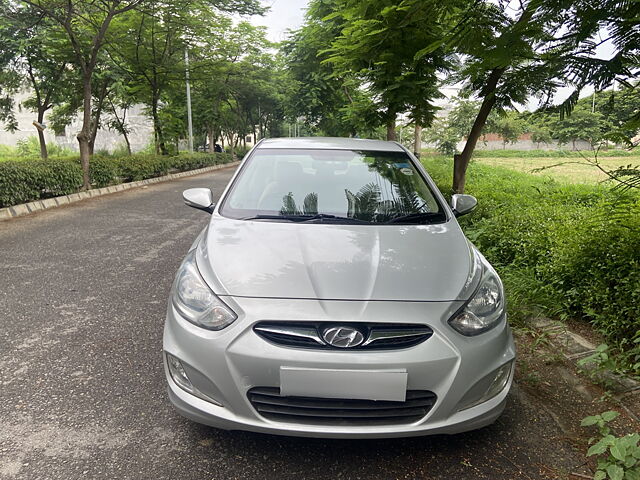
(343, 337)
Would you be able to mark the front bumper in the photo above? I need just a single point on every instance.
(224, 365)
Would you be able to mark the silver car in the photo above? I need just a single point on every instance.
(333, 294)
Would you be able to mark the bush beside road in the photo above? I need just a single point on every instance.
(568, 250)
(28, 180)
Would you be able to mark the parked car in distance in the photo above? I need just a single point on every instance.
(333, 294)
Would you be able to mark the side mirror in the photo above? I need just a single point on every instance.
(463, 204)
(200, 198)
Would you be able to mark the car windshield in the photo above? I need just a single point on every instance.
(335, 186)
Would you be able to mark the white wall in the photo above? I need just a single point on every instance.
(141, 130)
(527, 145)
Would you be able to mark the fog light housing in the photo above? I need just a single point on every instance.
(178, 373)
(498, 383)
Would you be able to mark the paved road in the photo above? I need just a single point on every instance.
(83, 291)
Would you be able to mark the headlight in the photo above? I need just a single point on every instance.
(485, 308)
(195, 301)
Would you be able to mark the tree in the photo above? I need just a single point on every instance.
(119, 100)
(540, 133)
(507, 58)
(154, 56)
(618, 109)
(443, 136)
(378, 45)
(582, 124)
(236, 92)
(509, 126)
(330, 103)
(462, 116)
(85, 25)
(37, 58)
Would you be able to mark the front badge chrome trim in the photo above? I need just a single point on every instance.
(343, 337)
(306, 333)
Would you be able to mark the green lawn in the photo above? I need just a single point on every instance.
(563, 169)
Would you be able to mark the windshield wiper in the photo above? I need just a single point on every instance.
(288, 218)
(305, 218)
(419, 217)
(323, 216)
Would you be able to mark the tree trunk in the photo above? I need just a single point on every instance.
(417, 140)
(212, 140)
(84, 135)
(157, 128)
(461, 161)
(391, 127)
(124, 130)
(95, 125)
(126, 140)
(43, 143)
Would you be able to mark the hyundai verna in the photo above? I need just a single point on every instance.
(333, 294)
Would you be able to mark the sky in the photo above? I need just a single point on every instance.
(283, 15)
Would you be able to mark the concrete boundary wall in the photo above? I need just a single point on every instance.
(39, 205)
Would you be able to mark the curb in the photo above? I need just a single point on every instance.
(38, 205)
(574, 347)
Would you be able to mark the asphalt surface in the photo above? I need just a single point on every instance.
(83, 292)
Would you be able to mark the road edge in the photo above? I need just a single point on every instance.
(39, 205)
(574, 347)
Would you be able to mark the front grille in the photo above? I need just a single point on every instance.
(340, 412)
(375, 336)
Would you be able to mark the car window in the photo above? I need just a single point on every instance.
(371, 186)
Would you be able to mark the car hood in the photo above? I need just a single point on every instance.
(336, 262)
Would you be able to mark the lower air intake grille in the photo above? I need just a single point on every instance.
(340, 412)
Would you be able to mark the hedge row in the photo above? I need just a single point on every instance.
(25, 181)
(570, 250)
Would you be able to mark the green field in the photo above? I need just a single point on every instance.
(564, 169)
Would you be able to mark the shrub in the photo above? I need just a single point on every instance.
(618, 458)
(140, 167)
(103, 171)
(192, 161)
(26, 180)
(571, 250)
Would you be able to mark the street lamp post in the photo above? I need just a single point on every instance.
(189, 119)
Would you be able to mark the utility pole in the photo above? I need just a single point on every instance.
(189, 119)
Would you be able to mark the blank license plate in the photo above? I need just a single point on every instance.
(356, 384)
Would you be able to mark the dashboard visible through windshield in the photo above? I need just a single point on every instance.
(331, 186)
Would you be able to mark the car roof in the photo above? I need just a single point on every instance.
(329, 143)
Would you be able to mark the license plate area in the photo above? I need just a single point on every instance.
(390, 385)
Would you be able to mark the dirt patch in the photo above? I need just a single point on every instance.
(553, 382)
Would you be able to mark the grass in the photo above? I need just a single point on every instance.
(612, 152)
(563, 169)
